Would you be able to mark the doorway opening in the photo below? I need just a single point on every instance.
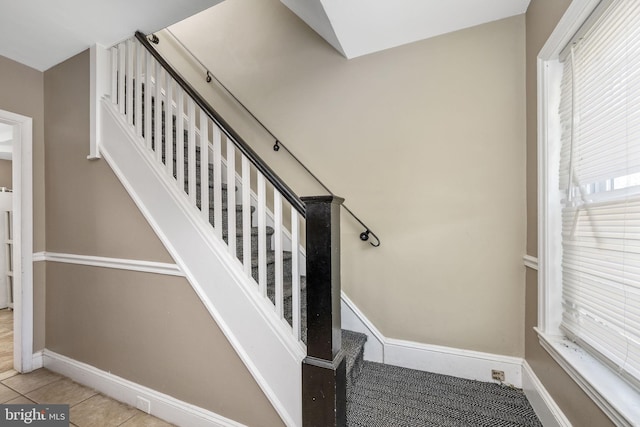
(6, 249)
(21, 237)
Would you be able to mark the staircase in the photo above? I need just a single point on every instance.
(233, 227)
(287, 270)
(226, 226)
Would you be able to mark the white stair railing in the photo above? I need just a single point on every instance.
(181, 137)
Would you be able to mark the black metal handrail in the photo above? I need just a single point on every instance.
(209, 77)
(244, 148)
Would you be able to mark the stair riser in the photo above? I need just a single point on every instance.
(225, 218)
(356, 369)
(224, 201)
(254, 243)
(353, 344)
(303, 313)
(239, 219)
(198, 186)
(271, 274)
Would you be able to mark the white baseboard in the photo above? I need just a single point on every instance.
(473, 365)
(543, 404)
(155, 403)
(354, 320)
(37, 360)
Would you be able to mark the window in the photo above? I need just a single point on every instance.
(598, 179)
(589, 87)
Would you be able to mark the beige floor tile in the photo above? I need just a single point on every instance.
(7, 394)
(6, 362)
(20, 400)
(8, 374)
(146, 420)
(6, 340)
(6, 314)
(62, 391)
(100, 411)
(26, 383)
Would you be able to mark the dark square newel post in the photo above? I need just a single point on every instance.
(324, 384)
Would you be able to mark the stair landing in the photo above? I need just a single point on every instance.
(380, 395)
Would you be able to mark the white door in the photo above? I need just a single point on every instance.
(6, 244)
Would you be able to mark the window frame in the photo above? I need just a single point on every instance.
(618, 399)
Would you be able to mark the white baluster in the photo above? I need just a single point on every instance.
(295, 273)
(262, 235)
(148, 70)
(168, 125)
(231, 196)
(180, 138)
(129, 85)
(114, 75)
(204, 165)
(277, 243)
(139, 76)
(158, 112)
(217, 181)
(191, 150)
(122, 61)
(246, 215)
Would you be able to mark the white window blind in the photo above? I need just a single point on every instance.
(600, 180)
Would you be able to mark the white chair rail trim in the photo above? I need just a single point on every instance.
(531, 262)
(106, 262)
(151, 401)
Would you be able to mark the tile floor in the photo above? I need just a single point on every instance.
(6, 340)
(88, 408)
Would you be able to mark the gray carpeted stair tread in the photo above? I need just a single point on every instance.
(271, 259)
(255, 235)
(353, 346)
(225, 206)
(225, 213)
(352, 342)
(211, 190)
(224, 186)
(254, 232)
(288, 305)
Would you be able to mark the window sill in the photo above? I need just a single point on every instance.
(612, 394)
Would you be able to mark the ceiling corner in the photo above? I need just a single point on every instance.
(312, 12)
(360, 27)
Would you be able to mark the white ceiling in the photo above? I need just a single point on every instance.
(359, 27)
(43, 33)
